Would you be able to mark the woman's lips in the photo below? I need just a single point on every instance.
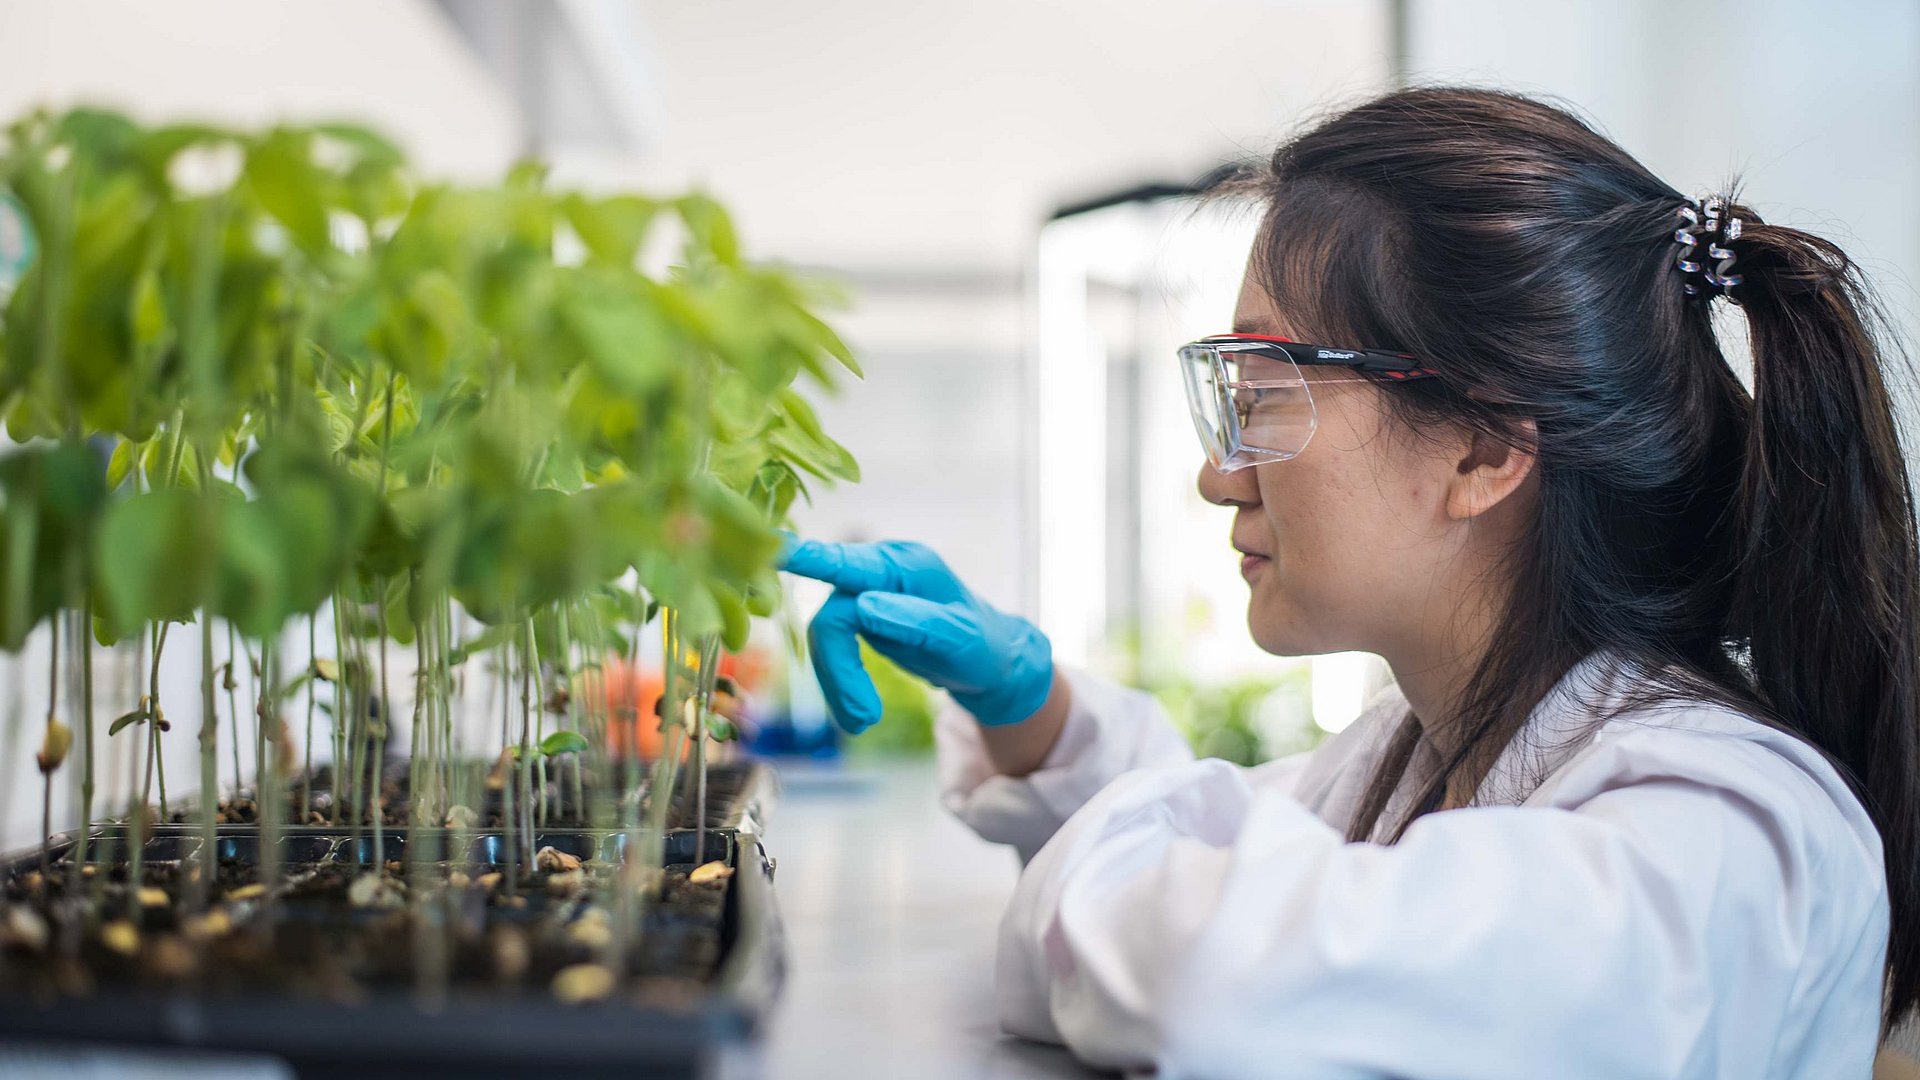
(1250, 563)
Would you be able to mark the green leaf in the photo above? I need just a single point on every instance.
(823, 336)
(148, 314)
(774, 488)
(369, 145)
(710, 226)
(527, 174)
(292, 686)
(739, 540)
(563, 742)
(76, 488)
(622, 334)
(249, 586)
(126, 719)
(120, 464)
(612, 229)
(154, 556)
(281, 174)
(827, 460)
(185, 475)
(424, 326)
(798, 410)
(735, 626)
(764, 594)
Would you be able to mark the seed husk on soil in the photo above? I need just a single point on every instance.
(121, 937)
(24, 928)
(583, 983)
(511, 952)
(710, 873)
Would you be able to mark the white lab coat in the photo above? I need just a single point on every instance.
(1688, 893)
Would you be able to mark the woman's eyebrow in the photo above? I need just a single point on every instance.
(1253, 326)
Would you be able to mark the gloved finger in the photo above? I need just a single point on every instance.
(893, 566)
(852, 567)
(832, 637)
(888, 618)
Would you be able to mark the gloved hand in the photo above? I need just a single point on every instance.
(902, 598)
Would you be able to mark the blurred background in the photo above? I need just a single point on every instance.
(1000, 187)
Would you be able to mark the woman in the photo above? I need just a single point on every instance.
(1643, 800)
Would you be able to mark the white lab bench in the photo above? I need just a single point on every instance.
(890, 907)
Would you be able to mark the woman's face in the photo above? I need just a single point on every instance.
(1356, 543)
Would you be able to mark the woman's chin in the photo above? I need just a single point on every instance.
(1277, 635)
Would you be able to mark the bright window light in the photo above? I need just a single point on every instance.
(1339, 689)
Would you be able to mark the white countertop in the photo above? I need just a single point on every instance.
(890, 907)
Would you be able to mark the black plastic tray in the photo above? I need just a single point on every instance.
(390, 1034)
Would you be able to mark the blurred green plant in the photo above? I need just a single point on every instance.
(261, 375)
(908, 705)
(1246, 721)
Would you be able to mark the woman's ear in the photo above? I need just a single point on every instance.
(1489, 472)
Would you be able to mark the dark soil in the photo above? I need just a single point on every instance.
(320, 938)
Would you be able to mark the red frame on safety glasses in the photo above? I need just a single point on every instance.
(1393, 365)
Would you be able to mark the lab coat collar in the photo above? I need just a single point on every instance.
(1560, 724)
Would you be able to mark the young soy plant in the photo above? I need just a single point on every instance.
(434, 452)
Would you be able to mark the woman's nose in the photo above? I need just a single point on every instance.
(1236, 488)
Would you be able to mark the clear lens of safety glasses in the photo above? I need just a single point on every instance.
(1250, 406)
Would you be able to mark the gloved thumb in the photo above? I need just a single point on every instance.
(832, 638)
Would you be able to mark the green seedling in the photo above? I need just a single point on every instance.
(53, 751)
(321, 389)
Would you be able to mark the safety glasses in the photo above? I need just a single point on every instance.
(1251, 404)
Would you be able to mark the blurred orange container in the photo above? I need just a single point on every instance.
(633, 695)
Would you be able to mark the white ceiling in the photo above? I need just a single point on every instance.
(890, 134)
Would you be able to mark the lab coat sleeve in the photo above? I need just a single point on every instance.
(1190, 922)
(1109, 730)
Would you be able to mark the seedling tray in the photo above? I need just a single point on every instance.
(476, 1030)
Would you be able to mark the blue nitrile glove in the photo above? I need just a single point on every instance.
(902, 598)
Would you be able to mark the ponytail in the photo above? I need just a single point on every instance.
(1827, 596)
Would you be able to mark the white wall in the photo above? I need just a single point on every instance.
(398, 65)
(1816, 107)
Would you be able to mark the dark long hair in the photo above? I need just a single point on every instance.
(1754, 549)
